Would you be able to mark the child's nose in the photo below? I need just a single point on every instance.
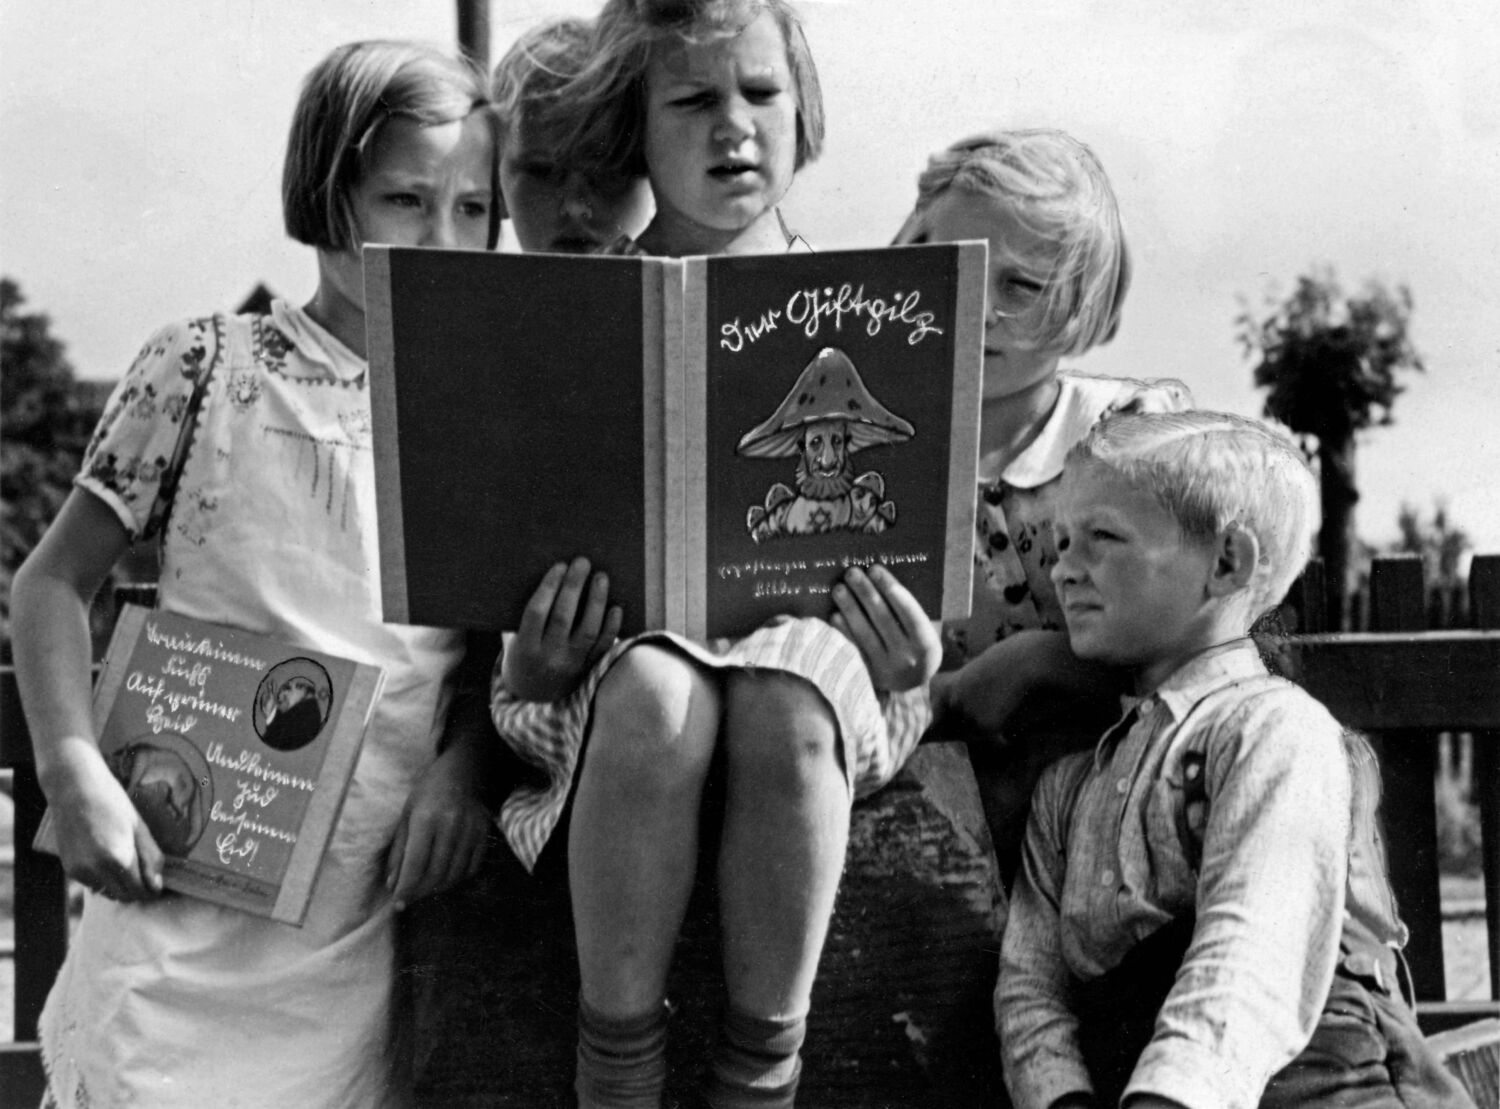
(1065, 569)
(441, 231)
(576, 203)
(734, 122)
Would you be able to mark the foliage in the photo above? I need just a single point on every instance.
(46, 419)
(1328, 359)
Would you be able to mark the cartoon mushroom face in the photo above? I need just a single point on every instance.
(828, 390)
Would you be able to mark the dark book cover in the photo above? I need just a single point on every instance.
(517, 411)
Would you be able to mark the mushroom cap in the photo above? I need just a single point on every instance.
(828, 389)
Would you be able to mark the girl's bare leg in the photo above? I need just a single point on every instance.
(786, 826)
(633, 841)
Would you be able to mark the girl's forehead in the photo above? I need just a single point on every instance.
(965, 212)
(755, 49)
(403, 146)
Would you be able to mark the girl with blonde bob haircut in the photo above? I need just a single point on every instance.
(1057, 188)
(1059, 270)
(177, 1001)
(345, 100)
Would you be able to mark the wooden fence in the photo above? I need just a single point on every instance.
(1402, 684)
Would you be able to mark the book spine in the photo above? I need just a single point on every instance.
(963, 454)
(694, 450)
(380, 342)
(657, 366)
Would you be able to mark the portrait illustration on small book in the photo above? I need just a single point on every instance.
(292, 704)
(168, 781)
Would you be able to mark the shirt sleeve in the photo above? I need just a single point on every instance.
(1270, 906)
(132, 447)
(1037, 1029)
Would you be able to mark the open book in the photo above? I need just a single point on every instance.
(237, 750)
(724, 436)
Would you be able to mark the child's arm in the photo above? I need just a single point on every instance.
(557, 643)
(1038, 1033)
(982, 695)
(444, 831)
(102, 840)
(1270, 906)
(900, 646)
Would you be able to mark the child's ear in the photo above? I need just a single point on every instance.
(1236, 556)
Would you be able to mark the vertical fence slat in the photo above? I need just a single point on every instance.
(41, 911)
(1308, 599)
(1408, 765)
(1484, 603)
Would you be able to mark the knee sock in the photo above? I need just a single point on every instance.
(756, 1062)
(621, 1061)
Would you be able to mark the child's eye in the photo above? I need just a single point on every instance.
(548, 173)
(1103, 534)
(1019, 290)
(404, 200)
(762, 94)
(692, 100)
(475, 209)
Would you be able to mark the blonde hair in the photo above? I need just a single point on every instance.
(610, 91)
(344, 101)
(527, 80)
(1058, 189)
(1213, 470)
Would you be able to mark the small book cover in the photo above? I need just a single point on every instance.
(237, 750)
(724, 436)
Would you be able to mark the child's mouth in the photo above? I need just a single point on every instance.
(731, 171)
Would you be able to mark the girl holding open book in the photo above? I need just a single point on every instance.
(757, 745)
(178, 1001)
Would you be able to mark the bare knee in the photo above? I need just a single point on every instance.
(655, 718)
(779, 732)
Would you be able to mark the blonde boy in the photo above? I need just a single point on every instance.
(1197, 913)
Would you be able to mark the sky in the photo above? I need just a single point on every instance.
(141, 148)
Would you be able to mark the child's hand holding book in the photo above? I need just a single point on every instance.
(557, 642)
(899, 643)
(101, 838)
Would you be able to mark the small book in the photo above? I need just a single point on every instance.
(724, 436)
(237, 750)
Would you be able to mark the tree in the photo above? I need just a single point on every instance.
(46, 420)
(1329, 361)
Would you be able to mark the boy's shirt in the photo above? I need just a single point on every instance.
(1104, 871)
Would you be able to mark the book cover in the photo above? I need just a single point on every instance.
(725, 436)
(237, 750)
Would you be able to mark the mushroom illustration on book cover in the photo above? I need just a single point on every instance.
(826, 418)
